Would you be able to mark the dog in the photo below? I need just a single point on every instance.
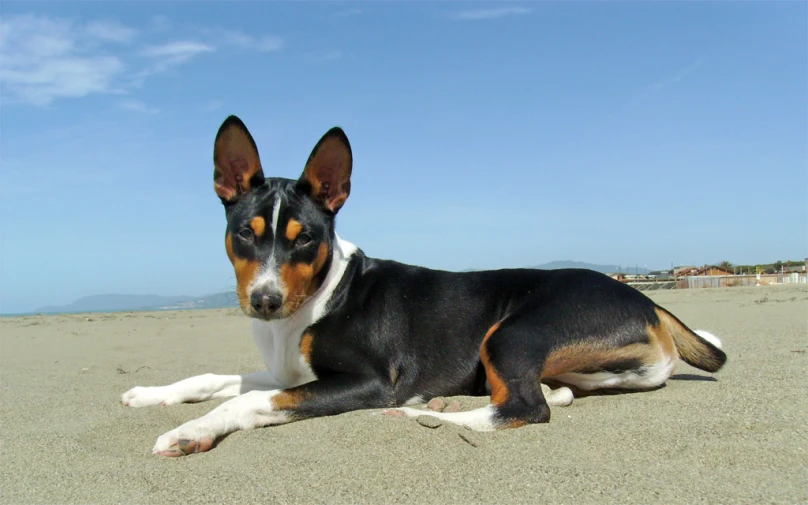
(340, 331)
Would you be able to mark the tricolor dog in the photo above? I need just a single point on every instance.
(340, 331)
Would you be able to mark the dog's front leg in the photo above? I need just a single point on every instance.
(199, 388)
(255, 409)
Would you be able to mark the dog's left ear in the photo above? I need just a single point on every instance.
(327, 176)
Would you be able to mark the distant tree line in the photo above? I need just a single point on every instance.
(768, 268)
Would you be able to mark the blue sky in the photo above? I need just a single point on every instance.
(485, 135)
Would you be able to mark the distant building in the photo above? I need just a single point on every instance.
(684, 271)
(709, 270)
(661, 274)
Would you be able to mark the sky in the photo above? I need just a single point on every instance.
(484, 135)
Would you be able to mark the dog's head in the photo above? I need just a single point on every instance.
(280, 232)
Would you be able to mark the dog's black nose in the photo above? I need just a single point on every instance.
(265, 302)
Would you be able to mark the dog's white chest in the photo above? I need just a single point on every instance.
(279, 346)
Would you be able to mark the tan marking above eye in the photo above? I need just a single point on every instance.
(293, 229)
(258, 225)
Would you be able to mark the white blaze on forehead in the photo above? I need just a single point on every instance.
(269, 275)
(276, 212)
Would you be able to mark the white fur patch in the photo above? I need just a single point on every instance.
(481, 419)
(198, 389)
(560, 397)
(276, 212)
(268, 278)
(709, 337)
(415, 400)
(245, 412)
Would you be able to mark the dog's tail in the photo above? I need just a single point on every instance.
(698, 348)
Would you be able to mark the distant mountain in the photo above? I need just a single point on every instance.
(118, 303)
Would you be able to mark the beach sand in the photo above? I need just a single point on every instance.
(739, 438)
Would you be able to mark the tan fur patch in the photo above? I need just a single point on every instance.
(659, 335)
(588, 356)
(245, 273)
(286, 400)
(306, 343)
(293, 229)
(258, 225)
(299, 280)
(513, 423)
(499, 391)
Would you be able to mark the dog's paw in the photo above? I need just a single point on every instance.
(148, 396)
(434, 405)
(189, 438)
(560, 397)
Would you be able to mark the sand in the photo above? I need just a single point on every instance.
(739, 438)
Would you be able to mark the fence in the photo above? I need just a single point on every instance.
(720, 281)
(652, 285)
(725, 281)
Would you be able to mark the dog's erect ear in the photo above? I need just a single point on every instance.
(237, 167)
(327, 176)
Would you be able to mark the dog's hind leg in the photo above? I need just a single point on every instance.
(512, 358)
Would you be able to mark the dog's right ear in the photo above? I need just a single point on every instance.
(237, 167)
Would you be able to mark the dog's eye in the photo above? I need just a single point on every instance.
(303, 239)
(246, 234)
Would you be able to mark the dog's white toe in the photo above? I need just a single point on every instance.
(189, 438)
(148, 396)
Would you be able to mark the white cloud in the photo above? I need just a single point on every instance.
(173, 53)
(110, 31)
(494, 13)
(45, 58)
(138, 106)
(241, 40)
(268, 43)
